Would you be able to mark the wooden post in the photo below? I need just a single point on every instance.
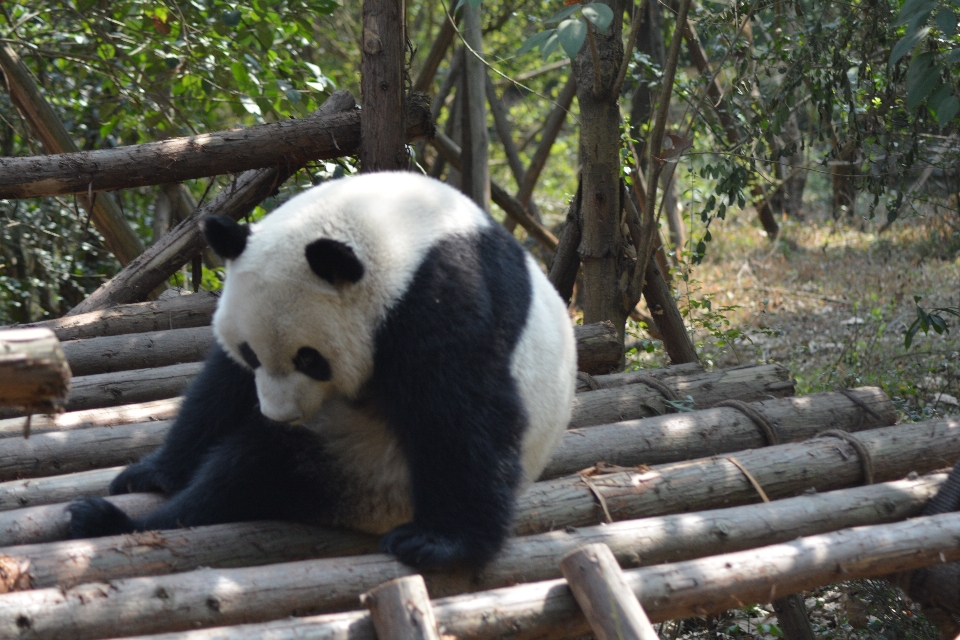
(604, 596)
(400, 610)
(475, 173)
(34, 375)
(106, 216)
(383, 140)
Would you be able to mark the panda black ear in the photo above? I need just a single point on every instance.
(226, 236)
(334, 261)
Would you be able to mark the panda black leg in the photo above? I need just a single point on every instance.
(220, 400)
(251, 475)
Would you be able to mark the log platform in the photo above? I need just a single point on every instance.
(669, 469)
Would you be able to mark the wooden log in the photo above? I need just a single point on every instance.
(138, 351)
(633, 377)
(127, 387)
(106, 417)
(167, 408)
(649, 441)
(647, 541)
(696, 587)
(599, 348)
(16, 494)
(400, 610)
(161, 382)
(106, 216)
(706, 389)
(698, 434)
(601, 590)
(176, 312)
(34, 375)
(79, 450)
(821, 464)
(287, 143)
(51, 522)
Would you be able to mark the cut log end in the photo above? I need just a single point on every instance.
(34, 374)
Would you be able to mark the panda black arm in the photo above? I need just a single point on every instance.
(442, 377)
(220, 398)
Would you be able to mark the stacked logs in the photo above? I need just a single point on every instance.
(660, 466)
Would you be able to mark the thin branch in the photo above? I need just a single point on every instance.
(631, 41)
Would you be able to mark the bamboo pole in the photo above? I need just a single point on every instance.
(106, 216)
(34, 375)
(695, 587)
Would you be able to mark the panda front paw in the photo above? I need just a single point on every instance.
(422, 549)
(95, 517)
(141, 477)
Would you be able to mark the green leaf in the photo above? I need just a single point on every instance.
(563, 14)
(947, 109)
(953, 57)
(946, 21)
(572, 33)
(106, 51)
(536, 40)
(550, 45)
(938, 324)
(921, 79)
(907, 43)
(599, 14)
(230, 18)
(911, 9)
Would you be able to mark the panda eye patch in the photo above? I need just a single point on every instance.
(309, 362)
(249, 356)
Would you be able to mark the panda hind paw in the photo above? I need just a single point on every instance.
(95, 517)
(419, 548)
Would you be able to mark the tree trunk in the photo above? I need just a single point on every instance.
(794, 169)
(383, 140)
(602, 239)
(666, 316)
(474, 170)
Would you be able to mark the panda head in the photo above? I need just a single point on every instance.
(292, 311)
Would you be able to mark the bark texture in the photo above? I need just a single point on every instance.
(34, 375)
(543, 609)
(383, 137)
(287, 144)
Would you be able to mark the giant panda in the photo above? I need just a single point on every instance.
(388, 359)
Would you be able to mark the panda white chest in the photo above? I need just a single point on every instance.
(374, 493)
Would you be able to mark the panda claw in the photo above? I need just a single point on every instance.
(95, 517)
(422, 549)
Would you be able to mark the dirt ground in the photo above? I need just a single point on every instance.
(832, 302)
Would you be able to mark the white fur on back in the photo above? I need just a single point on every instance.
(544, 366)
